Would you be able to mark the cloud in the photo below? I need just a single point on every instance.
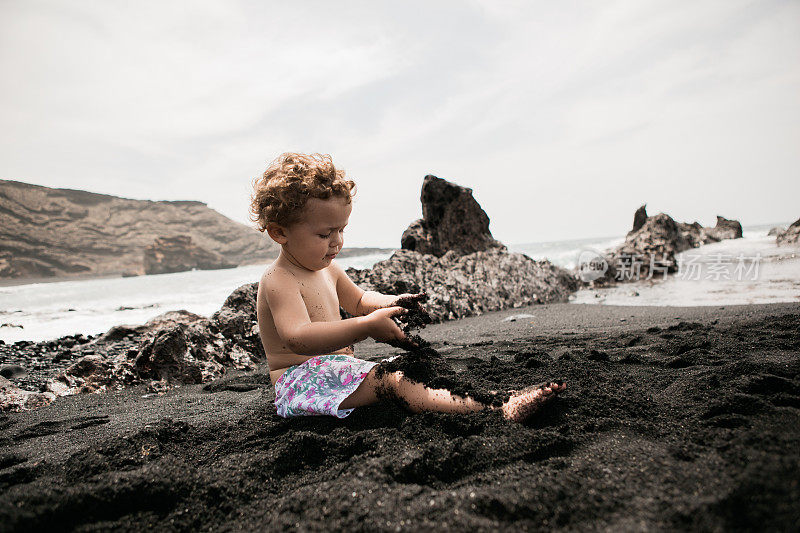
(541, 108)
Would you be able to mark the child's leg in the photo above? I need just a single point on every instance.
(420, 398)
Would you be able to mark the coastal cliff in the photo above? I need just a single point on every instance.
(46, 232)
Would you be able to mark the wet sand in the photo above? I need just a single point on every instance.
(674, 418)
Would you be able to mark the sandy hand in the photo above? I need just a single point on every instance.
(382, 326)
(412, 302)
(417, 316)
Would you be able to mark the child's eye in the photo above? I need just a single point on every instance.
(321, 236)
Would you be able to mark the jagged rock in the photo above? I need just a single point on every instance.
(13, 398)
(174, 348)
(451, 255)
(725, 229)
(46, 232)
(178, 254)
(237, 320)
(452, 220)
(472, 284)
(650, 251)
(639, 218)
(652, 248)
(692, 233)
(92, 373)
(118, 333)
(167, 357)
(12, 371)
(791, 235)
(697, 235)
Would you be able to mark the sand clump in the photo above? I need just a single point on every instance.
(422, 363)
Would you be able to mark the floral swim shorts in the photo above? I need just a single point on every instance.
(319, 385)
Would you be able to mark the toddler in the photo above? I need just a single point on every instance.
(303, 202)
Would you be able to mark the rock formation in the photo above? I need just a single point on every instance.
(697, 235)
(650, 249)
(451, 255)
(48, 232)
(471, 284)
(451, 221)
(14, 398)
(639, 218)
(178, 254)
(171, 349)
(791, 235)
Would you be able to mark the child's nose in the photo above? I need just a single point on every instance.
(337, 239)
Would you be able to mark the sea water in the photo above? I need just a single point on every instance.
(750, 270)
(51, 310)
(54, 309)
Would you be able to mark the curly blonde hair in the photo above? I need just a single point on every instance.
(289, 181)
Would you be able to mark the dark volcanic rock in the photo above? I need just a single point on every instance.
(12, 371)
(791, 235)
(697, 235)
(167, 357)
(47, 232)
(452, 220)
(472, 284)
(237, 321)
(14, 398)
(175, 348)
(451, 256)
(178, 254)
(91, 373)
(639, 218)
(725, 229)
(650, 249)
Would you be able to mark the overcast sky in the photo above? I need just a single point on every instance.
(563, 117)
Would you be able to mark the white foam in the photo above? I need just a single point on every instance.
(751, 270)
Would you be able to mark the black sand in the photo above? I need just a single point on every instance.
(674, 419)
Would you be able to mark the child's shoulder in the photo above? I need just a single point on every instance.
(276, 276)
(281, 276)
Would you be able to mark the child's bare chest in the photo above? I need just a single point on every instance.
(319, 295)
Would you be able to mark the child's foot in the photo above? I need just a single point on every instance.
(522, 404)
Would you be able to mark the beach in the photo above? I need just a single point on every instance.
(674, 418)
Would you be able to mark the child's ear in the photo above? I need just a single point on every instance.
(277, 233)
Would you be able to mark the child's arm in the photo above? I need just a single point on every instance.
(357, 301)
(305, 337)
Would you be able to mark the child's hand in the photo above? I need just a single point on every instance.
(381, 326)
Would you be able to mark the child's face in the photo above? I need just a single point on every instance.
(317, 237)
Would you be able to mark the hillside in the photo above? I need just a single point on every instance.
(46, 232)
